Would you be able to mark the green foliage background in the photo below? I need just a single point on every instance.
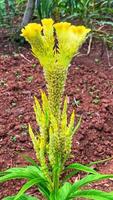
(91, 13)
(87, 11)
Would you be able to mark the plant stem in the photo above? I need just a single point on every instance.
(55, 85)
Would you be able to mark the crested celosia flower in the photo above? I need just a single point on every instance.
(44, 42)
(54, 45)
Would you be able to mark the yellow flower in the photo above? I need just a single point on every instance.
(48, 28)
(79, 30)
(44, 46)
(62, 29)
(48, 38)
(55, 45)
(47, 22)
(77, 35)
(31, 31)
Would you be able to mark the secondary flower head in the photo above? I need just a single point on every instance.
(31, 31)
(48, 28)
(54, 44)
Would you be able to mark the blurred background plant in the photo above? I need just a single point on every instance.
(95, 14)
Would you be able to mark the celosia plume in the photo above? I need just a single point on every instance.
(54, 45)
(43, 43)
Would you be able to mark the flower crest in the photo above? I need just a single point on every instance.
(57, 41)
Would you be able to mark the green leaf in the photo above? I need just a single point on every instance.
(35, 141)
(93, 194)
(71, 174)
(56, 173)
(71, 16)
(88, 179)
(30, 160)
(99, 161)
(37, 110)
(23, 197)
(64, 116)
(44, 190)
(29, 79)
(45, 106)
(78, 125)
(63, 191)
(26, 186)
(80, 167)
(28, 172)
(45, 8)
(105, 23)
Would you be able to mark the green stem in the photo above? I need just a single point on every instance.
(56, 178)
(55, 85)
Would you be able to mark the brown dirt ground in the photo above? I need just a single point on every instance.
(90, 90)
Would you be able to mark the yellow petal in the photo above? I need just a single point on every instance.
(62, 26)
(79, 30)
(47, 22)
(30, 31)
